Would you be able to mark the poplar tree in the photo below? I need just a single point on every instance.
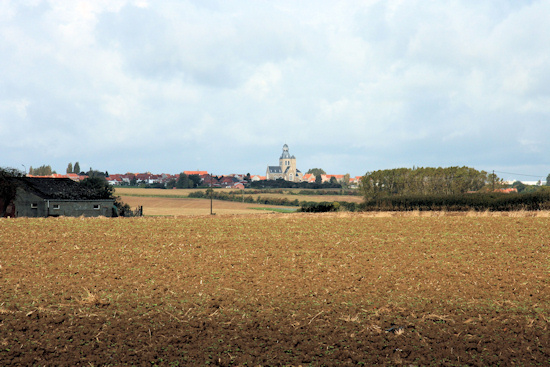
(70, 168)
(183, 182)
(44, 170)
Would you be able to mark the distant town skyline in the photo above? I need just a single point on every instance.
(351, 87)
(527, 179)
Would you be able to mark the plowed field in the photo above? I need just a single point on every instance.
(291, 289)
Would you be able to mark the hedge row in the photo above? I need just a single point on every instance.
(305, 206)
(478, 201)
(327, 206)
(235, 196)
(327, 192)
(539, 200)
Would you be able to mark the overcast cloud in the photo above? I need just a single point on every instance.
(350, 86)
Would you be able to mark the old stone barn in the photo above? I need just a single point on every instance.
(54, 197)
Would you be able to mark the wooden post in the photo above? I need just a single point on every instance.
(211, 193)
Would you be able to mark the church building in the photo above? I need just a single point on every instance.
(286, 169)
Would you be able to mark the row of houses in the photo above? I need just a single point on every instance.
(352, 181)
(226, 181)
(229, 181)
(73, 176)
(148, 178)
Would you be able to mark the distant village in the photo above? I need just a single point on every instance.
(230, 181)
(286, 170)
(43, 194)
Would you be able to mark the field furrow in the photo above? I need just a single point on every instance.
(277, 289)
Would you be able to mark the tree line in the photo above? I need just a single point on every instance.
(282, 184)
(46, 170)
(424, 181)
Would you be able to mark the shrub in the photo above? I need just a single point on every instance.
(539, 200)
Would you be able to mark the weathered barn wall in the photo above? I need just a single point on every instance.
(30, 205)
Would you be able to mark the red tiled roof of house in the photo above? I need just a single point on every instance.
(507, 191)
(308, 177)
(72, 176)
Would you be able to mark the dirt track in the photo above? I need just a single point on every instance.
(275, 290)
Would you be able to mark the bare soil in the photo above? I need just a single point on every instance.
(266, 290)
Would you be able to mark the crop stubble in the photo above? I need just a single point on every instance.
(275, 289)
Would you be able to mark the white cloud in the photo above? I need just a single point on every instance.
(15, 109)
(263, 81)
(417, 82)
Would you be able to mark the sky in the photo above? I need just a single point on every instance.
(351, 86)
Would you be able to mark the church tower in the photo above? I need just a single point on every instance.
(286, 169)
(288, 165)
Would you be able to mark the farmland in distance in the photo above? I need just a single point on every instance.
(160, 202)
(278, 289)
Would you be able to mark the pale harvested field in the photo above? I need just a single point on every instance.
(129, 191)
(156, 206)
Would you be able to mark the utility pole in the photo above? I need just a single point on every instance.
(211, 193)
(493, 180)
